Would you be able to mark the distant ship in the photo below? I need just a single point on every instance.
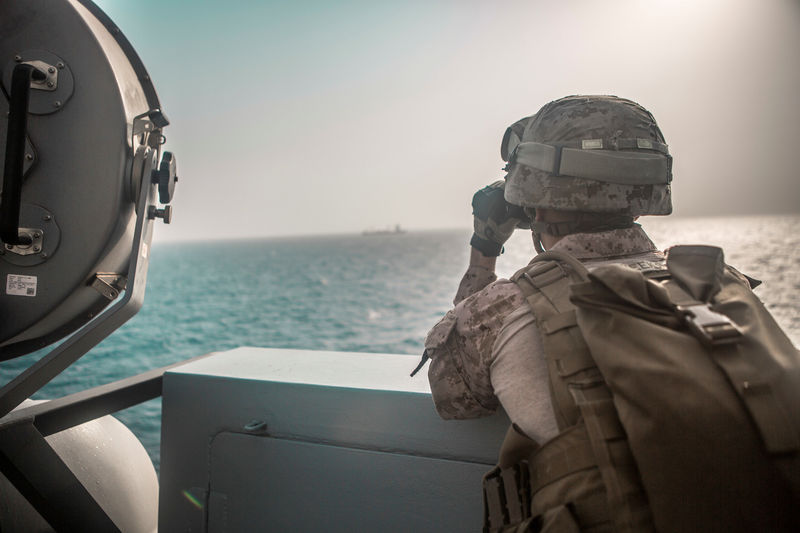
(388, 231)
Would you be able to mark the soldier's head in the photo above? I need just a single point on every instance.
(588, 163)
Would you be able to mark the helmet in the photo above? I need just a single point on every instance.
(589, 153)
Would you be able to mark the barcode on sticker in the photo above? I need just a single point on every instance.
(17, 285)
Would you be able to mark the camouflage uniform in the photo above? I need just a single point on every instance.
(486, 351)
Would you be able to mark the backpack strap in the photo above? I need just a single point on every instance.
(579, 393)
(545, 285)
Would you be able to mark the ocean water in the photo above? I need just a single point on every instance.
(355, 293)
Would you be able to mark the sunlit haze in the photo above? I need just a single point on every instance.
(331, 117)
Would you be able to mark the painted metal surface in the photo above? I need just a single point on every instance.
(301, 486)
(339, 420)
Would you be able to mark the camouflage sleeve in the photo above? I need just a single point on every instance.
(475, 279)
(460, 348)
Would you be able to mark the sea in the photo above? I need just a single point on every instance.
(356, 293)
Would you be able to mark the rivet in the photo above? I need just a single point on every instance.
(17, 58)
(57, 103)
(60, 65)
(51, 84)
(37, 235)
(51, 70)
(37, 248)
(47, 218)
(9, 247)
(43, 255)
(746, 385)
(29, 157)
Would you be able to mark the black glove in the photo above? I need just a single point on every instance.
(494, 219)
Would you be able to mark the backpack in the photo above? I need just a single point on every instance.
(678, 400)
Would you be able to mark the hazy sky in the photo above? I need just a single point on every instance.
(300, 117)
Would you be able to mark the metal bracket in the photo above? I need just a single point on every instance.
(51, 93)
(148, 122)
(108, 284)
(36, 236)
(50, 81)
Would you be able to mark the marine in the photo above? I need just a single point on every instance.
(582, 454)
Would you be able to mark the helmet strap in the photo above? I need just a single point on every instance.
(584, 223)
(537, 241)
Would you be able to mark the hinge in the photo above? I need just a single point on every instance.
(109, 284)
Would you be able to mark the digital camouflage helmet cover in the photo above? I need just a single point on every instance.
(589, 153)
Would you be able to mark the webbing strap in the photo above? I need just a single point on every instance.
(577, 386)
(494, 506)
(560, 321)
(545, 287)
(594, 506)
(560, 520)
(570, 452)
(508, 491)
(518, 498)
(612, 454)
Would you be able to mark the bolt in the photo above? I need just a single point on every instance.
(17, 58)
(9, 247)
(47, 218)
(37, 248)
(60, 64)
(51, 70)
(37, 235)
(51, 84)
(57, 103)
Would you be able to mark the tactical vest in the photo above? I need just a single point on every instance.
(677, 397)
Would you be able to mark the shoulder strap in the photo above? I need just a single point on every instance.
(578, 390)
(545, 285)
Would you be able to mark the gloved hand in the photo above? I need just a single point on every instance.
(494, 219)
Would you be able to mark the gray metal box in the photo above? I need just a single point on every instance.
(270, 440)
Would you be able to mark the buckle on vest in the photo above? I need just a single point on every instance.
(710, 327)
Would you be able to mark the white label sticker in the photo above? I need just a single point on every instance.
(144, 250)
(21, 285)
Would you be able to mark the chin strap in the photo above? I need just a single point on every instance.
(584, 223)
(537, 240)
